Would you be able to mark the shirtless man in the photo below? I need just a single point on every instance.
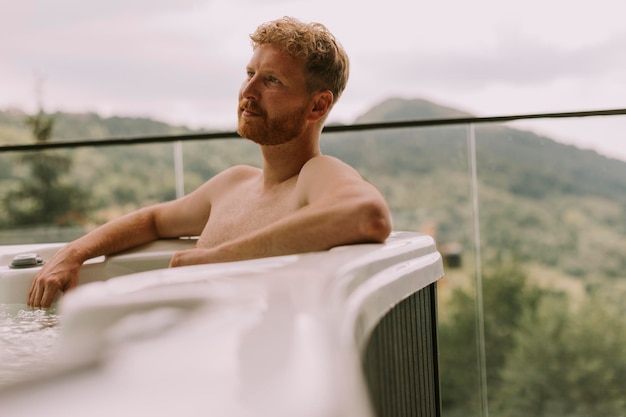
(300, 201)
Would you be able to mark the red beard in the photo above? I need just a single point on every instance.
(265, 130)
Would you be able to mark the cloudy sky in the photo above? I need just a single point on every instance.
(183, 61)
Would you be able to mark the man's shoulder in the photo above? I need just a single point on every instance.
(327, 164)
(238, 172)
(322, 173)
(229, 178)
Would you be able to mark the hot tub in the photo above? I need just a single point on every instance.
(15, 282)
(316, 334)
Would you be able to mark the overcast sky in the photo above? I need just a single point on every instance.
(182, 61)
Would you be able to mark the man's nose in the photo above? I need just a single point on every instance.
(249, 88)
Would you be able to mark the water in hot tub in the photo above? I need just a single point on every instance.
(28, 338)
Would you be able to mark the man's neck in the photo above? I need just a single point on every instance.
(282, 162)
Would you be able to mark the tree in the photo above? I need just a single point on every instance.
(507, 297)
(46, 196)
(568, 361)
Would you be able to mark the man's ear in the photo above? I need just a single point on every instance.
(323, 101)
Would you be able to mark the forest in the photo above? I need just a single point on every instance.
(552, 235)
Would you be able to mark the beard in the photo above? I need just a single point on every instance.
(270, 131)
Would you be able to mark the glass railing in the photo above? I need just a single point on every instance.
(532, 311)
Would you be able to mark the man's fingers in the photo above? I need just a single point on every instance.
(48, 297)
(42, 295)
(178, 258)
(31, 296)
(36, 292)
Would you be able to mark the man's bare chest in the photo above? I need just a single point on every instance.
(242, 213)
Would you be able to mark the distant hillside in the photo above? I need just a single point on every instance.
(122, 178)
(397, 109)
(75, 126)
(536, 166)
(540, 200)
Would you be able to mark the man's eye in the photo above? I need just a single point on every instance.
(273, 80)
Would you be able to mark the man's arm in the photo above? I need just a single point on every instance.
(184, 217)
(340, 208)
(60, 273)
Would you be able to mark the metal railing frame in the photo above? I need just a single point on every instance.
(328, 129)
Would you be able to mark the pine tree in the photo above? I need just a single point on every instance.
(46, 196)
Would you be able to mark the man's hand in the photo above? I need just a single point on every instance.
(58, 274)
(196, 256)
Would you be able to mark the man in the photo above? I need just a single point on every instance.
(300, 201)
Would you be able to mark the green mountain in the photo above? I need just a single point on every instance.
(398, 109)
(540, 200)
(122, 178)
(81, 126)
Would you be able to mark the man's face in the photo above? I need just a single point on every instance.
(273, 101)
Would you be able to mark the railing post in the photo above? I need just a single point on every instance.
(179, 169)
(480, 314)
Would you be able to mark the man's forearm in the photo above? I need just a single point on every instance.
(123, 233)
(60, 273)
(307, 230)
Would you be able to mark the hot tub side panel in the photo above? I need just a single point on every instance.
(401, 359)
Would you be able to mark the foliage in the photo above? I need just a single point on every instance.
(44, 196)
(545, 356)
(506, 298)
(566, 363)
(122, 178)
